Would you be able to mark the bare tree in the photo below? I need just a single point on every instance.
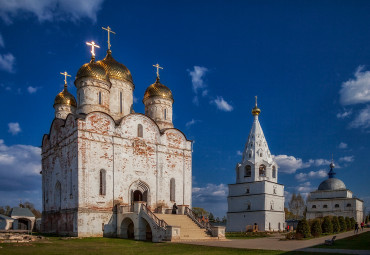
(297, 205)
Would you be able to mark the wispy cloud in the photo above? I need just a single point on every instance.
(356, 90)
(311, 175)
(343, 145)
(239, 153)
(20, 167)
(50, 10)
(290, 164)
(32, 90)
(345, 114)
(362, 120)
(222, 104)
(212, 198)
(7, 62)
(347, 159)
(191, 122)
(197, 79)
(14, 128)
(2, 44)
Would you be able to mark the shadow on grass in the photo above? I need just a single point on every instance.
(360, 241)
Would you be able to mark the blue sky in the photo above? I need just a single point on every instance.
(308, 62)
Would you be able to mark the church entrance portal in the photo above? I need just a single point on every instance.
(140, 196)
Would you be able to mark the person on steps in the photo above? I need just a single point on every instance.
(174, 208)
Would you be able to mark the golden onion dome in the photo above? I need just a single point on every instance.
(114, 69)
(92, 70)
(65, 98)
(256, 111)
(157, 89)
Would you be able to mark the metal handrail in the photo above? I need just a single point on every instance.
(197, 220)
(159, 222)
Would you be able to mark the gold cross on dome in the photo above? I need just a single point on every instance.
(93, 46)
(109, 31)
(65, 77)
(256, 100)
(158, 67)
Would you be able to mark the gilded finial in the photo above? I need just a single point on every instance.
(109, 30)
(93, 46)
(256, 111)
(65, 78)
(158, 67)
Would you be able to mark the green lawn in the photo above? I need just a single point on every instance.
(245, 235)
(99, 246)
(357, 242)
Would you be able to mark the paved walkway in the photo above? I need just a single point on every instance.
(274, 243)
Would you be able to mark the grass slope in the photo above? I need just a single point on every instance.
(100, 246)
(356, 242)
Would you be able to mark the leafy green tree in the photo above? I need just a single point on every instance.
(348, 223)
(199, 212)
(217, 219)
(336, 226)
(353, 222)
(211, 217)
(327, 226)
(367, 219)
(316, 228)
(342, 224)
(303, 228)
(224, 219)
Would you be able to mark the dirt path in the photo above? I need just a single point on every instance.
(273, 242)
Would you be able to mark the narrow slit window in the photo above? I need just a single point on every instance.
(120, 102)
(140, 130)
(102, 188)
(99, 97)
(172, 190)
(165, 114)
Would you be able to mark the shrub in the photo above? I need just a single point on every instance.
(348, 223)
(327, 226)
(303, 228)
(336, 226)
(342, 224)
(367, 219)
(353, 222)
(316, 228)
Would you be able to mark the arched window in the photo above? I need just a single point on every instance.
(165, 114)
(140, 130)
(99, 97)
(120, 101)
(248, 171)
(275, 188)
(248, 205)
(172, 190)
(250, 155)
(58, 196)
(336, 205)
(102, 186)
(313, 206)
(262, 171)
(273, 172)
(247, 190)
(348, 205)
(325, 206)
(251, 144)
(272, 205)
(261, 154)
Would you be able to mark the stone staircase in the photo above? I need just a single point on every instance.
(189, 230)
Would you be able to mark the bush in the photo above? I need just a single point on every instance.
(367, 219)
(327, 226)
(316, 228)
(348, 223)
(303, 228)
(336, 226)
(353, 222)
(342, 224)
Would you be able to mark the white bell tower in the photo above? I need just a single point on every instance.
(256, 198)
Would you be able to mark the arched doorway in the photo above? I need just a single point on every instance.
(24, 224)
(127, 228)
(138, 196)
(145, 231)
(139, 191)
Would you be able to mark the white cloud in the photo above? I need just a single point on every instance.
(311, 175)
(32, 90)
(347, 159)
(362, 120)
(304, 189)
(289, 164)
(212, 198)
(1, 41)
(222, 104)
(343, 145)
(191, 122)
(239, 153)
(356, 90)
(319, 162)
(14, 128)
(197, 79)
(20, 178)
(344, 114)
(7, 62)
(50, 10)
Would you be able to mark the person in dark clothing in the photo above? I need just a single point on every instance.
(174, 208)
(356, 228)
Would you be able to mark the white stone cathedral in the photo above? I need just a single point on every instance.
(256, 199)
(100, 156)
